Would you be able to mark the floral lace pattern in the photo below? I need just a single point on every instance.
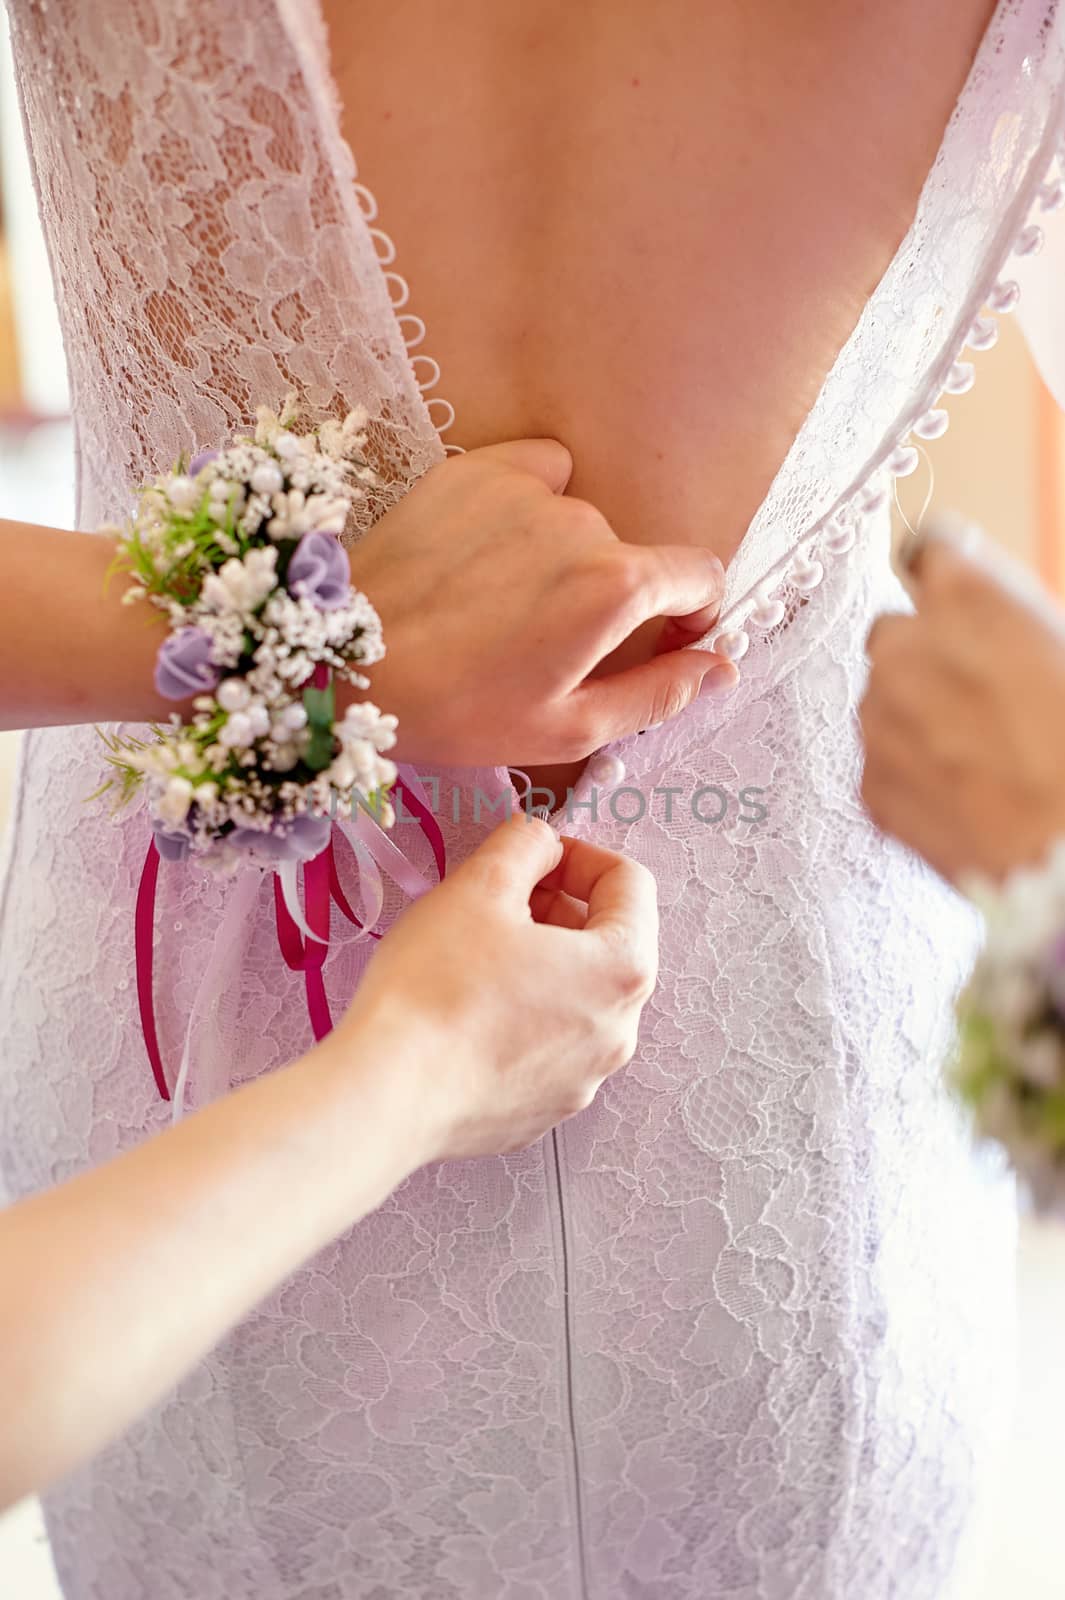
(731, 1332)
(993, 158)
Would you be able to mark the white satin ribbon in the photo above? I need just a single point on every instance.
(223, 967)
(361, 827)
(371, 884)
(287, 877)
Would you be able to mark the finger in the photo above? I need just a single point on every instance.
(644, 696)
(961, 565)
(949, 546)
(513, 859)
(545, 459)
(557, 910)
(635, 584)
(680, 633)
(888, 636)
(933, 559)
(679, 581)
(577, 868)
(623, 915)
(616, 890)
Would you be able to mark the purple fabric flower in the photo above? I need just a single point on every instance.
(171, 843)
(319, 571)
(200, 461)
(184, 666)
(301, 839)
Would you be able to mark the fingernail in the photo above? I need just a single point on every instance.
(720, 680)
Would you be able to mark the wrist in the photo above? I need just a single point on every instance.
(377, 1067)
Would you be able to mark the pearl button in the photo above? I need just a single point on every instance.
(960, 378)
(806, 575)
(903, 461)
(1029, 240)
(1004, 296)
(933, 425)
(768, 613)
(983, 334)
(839, 538)
(733, 646)
(872, 499)
(1052, 195)
(607, 771)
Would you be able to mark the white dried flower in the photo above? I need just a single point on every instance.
(242, 586)
(288, 446)
(237, 733)
(258, 719)
(267, 478)
(284, 757)
(343, 772)
(173, 805)
(184, 494)
(233, 694)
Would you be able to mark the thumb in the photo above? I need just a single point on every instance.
(513, 858)
(952, 549)
(655, 692)
(545, 459)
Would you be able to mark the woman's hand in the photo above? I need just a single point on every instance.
(964, 716)
(499, 596)
(511, 991)
(476, 1029)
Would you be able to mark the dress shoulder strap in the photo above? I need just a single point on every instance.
(211, 245)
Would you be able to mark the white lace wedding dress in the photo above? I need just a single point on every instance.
(739, 1329)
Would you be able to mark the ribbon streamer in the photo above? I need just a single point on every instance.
(302, 932)
(144, 941)
(371, 887)
(411, 789)
(362, 828)
(287, 879)
(224, 964)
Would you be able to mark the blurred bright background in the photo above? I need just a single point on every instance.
(1003, 462)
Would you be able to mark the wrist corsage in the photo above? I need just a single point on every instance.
(1011, 1062)
(241, 551)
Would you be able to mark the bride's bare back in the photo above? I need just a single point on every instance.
(647, 231)
(658, 1355)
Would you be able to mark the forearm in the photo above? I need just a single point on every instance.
(70, 651)
(115, 1283)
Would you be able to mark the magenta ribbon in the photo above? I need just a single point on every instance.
(308, 956)
(144, 939)
(339, 897)
(429, 825)
(321, 888)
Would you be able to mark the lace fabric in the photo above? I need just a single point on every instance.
(734, 1330)
(994, 155)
